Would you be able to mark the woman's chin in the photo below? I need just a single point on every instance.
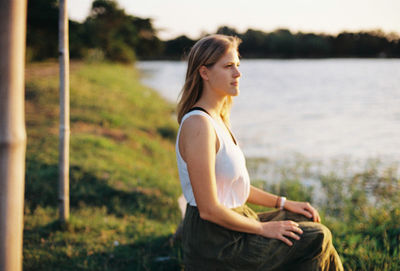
(236, 92)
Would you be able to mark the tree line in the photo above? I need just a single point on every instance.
(107, 33)
(110, 33)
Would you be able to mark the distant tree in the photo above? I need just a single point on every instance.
(77, 46)
(312, 45)
(394, 44)
(148, 45)
(42, 29)
(255, 44)
(371, 44)
(108, 29)
(120, 36)
(42, 32)
(178, 47)
(283, 43)
(395, 48)
(344, 45)
(226, 30)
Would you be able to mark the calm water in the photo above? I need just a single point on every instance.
(318, 109)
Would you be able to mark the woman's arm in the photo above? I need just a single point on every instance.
(197, 145)
(198, 148)
(260, 197)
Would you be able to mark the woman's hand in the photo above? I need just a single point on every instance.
(303, 208)
(281, 230)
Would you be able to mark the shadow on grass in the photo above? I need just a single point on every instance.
(51, 247)
(151, 253)
(88, 190)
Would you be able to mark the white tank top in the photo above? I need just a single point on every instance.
(232, 178)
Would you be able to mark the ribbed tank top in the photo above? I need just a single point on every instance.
(232, 178)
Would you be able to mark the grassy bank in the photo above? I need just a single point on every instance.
(124, 182)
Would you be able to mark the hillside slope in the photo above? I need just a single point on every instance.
(123, 179)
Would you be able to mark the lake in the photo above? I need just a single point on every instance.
(321, 110)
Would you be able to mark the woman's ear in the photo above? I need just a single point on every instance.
(203, 72)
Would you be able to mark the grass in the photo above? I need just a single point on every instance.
(360, 207)
(123, 178)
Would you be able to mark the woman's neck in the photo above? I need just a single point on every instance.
(211, 101)
(211, 105)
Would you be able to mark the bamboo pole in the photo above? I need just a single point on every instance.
(12, 132)
(64, 113)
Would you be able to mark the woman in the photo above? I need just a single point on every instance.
(219, 231)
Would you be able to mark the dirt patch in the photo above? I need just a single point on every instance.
(47, 69)
(115, 134)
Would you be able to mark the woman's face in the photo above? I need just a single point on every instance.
(223, 76)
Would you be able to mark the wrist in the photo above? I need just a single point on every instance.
(259, 228)
(278, 199)
(282, 203)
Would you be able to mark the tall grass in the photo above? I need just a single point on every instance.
(360, 206)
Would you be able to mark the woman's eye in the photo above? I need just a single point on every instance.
(231, 65)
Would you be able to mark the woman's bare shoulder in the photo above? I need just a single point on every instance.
(197, 126)
(197, 136)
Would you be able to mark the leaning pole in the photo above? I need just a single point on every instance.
(12, 132)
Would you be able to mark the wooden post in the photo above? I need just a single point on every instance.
(64, 113)
(12, 132)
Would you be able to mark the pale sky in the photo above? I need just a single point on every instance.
(176, 17)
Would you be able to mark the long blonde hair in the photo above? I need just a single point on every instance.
(206, 52)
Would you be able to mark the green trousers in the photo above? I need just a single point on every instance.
(208, 246)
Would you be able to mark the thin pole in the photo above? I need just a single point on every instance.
(12, 132)
(64, 113)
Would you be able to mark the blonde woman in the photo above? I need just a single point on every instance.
(220, 232)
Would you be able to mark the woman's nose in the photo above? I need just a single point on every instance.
(237, 73)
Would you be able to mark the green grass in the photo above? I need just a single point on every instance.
(362, 210)
(123, 178)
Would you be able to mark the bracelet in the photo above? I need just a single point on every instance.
(278, 200)
(282, 203)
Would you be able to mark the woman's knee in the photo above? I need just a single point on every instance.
(319, 236)
(325, 235)
(295, 216)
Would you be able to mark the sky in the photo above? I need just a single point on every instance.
(192, 18)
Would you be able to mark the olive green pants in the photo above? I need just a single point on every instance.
(208, 246)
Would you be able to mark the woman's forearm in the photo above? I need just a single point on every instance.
(260, 197)
(227, 218)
